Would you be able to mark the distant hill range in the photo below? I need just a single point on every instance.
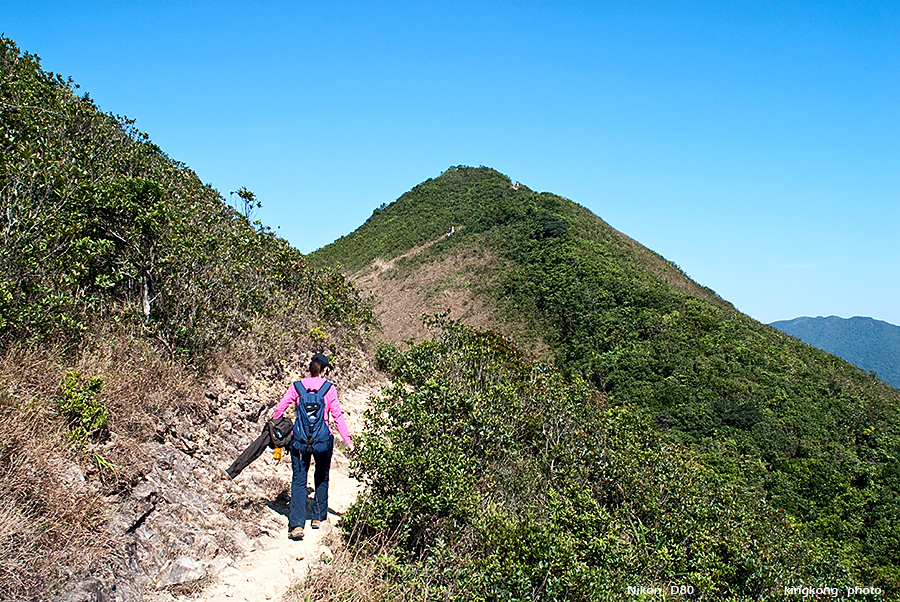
(867, 343)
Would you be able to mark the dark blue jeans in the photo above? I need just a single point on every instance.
(300, 464)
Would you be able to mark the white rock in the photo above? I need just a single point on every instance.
(218, 564)
(181, 571)
(240, 538)
(73, 477)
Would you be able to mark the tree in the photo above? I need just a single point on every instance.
(248, 205)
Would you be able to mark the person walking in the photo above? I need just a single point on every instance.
(300, 460)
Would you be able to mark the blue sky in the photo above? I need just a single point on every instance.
(754, 144)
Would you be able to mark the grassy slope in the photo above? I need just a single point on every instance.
(812, 433)
(474, 200)
(484, 208)
(118, 263)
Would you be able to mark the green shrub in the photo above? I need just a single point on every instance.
(80, 406)
(762, 413)
(499, 479)
(101, 224)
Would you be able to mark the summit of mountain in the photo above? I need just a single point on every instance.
(812, 434)
(451, 242)
(870, 344)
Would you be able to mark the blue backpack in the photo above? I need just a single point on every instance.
(311, 432)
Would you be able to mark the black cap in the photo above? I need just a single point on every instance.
(323, 361)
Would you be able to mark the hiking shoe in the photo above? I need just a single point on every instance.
(296, 533)
(314, 524)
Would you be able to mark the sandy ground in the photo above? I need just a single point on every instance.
(273, 562)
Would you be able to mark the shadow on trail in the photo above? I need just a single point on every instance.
(282, 504)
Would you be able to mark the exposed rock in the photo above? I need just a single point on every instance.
(87, 589)
(218, 564)
(240, 538)
(185, 519)
(144, 490)
(73, 477)
(184, 569)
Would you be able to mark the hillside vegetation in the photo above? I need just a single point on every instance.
(124, 283)
(872, 345)
(805, 443)
(660, 438)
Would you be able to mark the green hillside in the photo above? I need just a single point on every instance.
(124, 282)
(662, 439)
(764, 416)
(98, 221)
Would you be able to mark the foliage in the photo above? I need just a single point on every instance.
(421, 215)
(98, 223)
(500, 479)
(248, 204)
(120, 261)
(762, 413)
(80, 405)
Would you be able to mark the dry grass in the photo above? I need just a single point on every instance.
(14, 533)
(49, 530)
(52, 526)
(352, 575)
(52, 519)
(400, 295)
(369, 570)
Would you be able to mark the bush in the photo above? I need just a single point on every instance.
(100, 224)
(764, 414)
(500, 479)
(121, 261)
(80, 406)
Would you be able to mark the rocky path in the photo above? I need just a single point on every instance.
(264, 563)
(273, 562)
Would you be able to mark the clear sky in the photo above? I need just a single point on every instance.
(754, 144)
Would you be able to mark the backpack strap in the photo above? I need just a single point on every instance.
(298, 386)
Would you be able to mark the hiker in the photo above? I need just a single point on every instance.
(300, 458)
(275, 434)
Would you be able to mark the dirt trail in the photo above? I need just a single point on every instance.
(448, 282)
(273, 562)
(380, 265)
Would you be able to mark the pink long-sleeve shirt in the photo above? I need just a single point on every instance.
(332, 406)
